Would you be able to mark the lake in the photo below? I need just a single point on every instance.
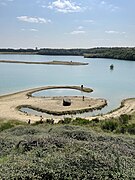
(113, 85)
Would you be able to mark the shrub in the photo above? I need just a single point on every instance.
(121, 129)
(50, 121)
(37, 123)
(124, 118)
(81, 121)
(79, 135)
(110, 125)
(66, 120)
(24, 130)
(6, 125)
(96, 120)
(131, 128)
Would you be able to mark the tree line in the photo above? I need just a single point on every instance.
(124, 53)
(112, 53)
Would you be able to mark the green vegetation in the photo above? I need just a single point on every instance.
(125, 124)
(121, 125)
(112, 53)
(7, 125)
(123, 53)
(72, 149)
(16, 51)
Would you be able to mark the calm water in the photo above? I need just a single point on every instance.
(112, 85)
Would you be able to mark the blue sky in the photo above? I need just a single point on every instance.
(67, 23)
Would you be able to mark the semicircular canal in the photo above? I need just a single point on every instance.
(29, 111)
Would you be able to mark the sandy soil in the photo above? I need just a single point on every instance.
(46, 63)
(9, 104)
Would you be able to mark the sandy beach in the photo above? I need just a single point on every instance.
(11, 103)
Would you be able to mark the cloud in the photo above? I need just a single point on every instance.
(34, 19)
(114, 32)
(108, 6)
(4, 2)
(65, 6)
(33, 30)
(77, 32)
(89, 21)
(111, 32)
(80, 27)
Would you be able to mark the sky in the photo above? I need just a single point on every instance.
(67, 23)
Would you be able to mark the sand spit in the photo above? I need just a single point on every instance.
(11, 103)
(127, 107)
(71, 63)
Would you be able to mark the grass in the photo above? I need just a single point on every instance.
(72, 149)
(9, 124)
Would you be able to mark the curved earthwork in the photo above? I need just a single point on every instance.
(11, 104)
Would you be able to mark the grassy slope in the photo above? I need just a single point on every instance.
(64, 151)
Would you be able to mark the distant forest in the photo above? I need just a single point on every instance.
(124, 53)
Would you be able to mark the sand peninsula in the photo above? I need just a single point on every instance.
(71, 63)
(10, 105)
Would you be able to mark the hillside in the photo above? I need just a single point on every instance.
(69, 150)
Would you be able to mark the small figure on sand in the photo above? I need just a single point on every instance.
(29, 121)
(81, 87)
(41, 119)
(83, 98)
(111, 67)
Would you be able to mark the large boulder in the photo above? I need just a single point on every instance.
(66, 102)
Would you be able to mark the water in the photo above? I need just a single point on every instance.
(112, 85)
(60, 92)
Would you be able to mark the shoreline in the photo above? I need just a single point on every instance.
(45, 63)
(10, 103)
(127, 106)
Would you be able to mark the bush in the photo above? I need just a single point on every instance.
(110, 125)
(80, 121)
(6, 125)
(50, 121)
(24, 130)
(124, 118)
(121, 129)
(65, 121)
(96, 120)
(131, 129)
